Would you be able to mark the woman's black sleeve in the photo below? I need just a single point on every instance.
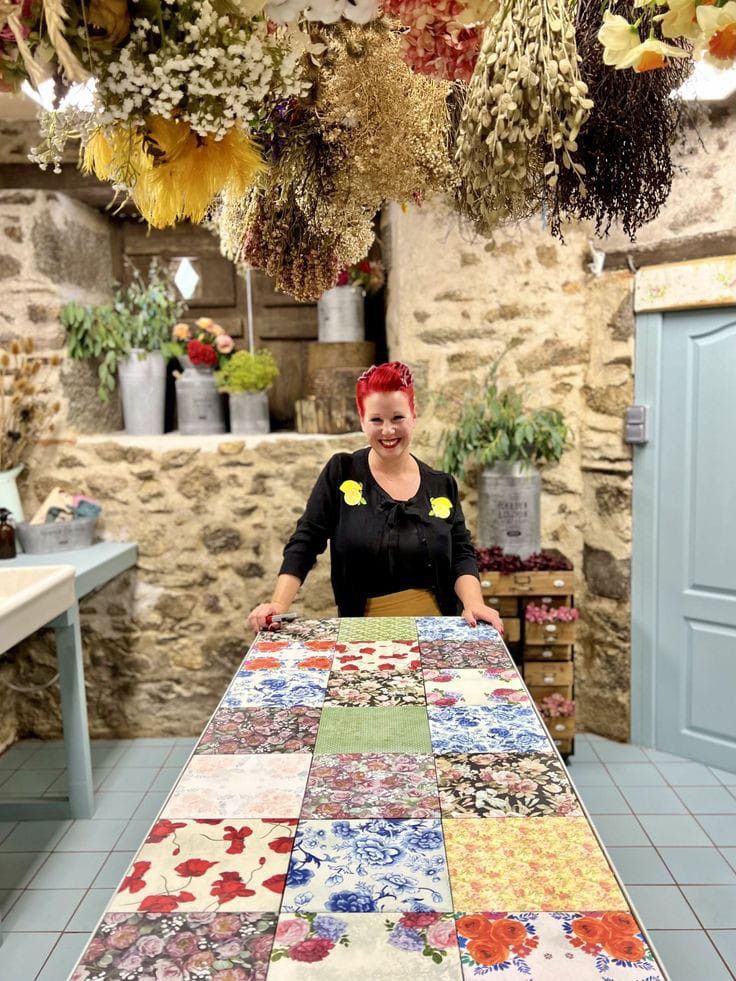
(464, 562)
(316, 524)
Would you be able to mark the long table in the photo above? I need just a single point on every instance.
(373, 799)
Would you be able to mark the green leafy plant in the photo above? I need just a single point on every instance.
(141, 315)
(246, 372)
(493, 426)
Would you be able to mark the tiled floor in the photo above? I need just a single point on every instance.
(669, 826)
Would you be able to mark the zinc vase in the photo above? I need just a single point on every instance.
(9, 496)
(142, 378)
(199, 406)
(249, 413)
(341, 314)
(508, 508)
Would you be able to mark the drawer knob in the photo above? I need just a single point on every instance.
(486, 583)
(546, 653)
(558, 583)
(549, 679)
(551, 628)
(559, 727)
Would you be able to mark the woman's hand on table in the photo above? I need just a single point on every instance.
(257, 617)
(486, 614)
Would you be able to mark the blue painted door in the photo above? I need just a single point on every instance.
(694, 439)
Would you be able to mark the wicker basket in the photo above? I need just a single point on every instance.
(59, 536)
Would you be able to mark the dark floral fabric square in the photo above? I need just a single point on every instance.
(439, 654)
(261, 730)
(302, 630)
(370, 688)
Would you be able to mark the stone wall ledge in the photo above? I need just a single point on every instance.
(225, 443)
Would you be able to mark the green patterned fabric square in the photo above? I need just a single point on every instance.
(396, 729)
(377, 628)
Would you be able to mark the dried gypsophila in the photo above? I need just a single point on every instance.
(524, 109)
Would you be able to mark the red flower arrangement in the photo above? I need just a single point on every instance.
(369, 274)
(206, 345)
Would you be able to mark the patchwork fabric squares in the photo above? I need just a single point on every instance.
(178, 946)
(363, 688)
(372, 785)
(454, 628)
(260, 730)
(302, 630)
(208, 866)
(377, 628)
(368, 867)
(263, 785)
(378, 656)
(484, 729)
(259, 689)
(291, 658)
(291, 649)
(398, 729)
(551, 946)
(441, 654)
(550, 863)
(382, 947)
(502, 784)
(474, 686)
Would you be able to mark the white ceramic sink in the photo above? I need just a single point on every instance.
(30, 597)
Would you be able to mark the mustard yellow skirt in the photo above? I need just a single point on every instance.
(407, 603)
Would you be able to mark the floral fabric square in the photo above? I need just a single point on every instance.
(377, 628)
(291, 650)
(364, 688)
(474, 686)
(550, 863)
(379, 656)
(396, 729)
(208, 866)
(258, 689)
(260, 730)
(301, 630)
(288, 659)
(259, 786)
(454, 628)
(486, 729)
(503, 784)
(368, 867)
(551, 946)
(382, 947)
(178, 946)
(441, 654)
(372, 785)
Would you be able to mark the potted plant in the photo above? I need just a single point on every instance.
(509, 443)
(340, 309)
(246, 378)
(26, 415)
(126, 336)
(200, 350)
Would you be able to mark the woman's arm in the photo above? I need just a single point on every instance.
(465, 570)
(470, 595)
(287, 587)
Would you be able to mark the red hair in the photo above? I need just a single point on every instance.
(394, 376)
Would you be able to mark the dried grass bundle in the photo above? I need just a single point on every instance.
(26, 413)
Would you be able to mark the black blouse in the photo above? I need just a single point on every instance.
(379, 545)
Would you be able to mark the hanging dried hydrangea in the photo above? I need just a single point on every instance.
(440, 40)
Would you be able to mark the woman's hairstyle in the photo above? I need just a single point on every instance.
(394, 376)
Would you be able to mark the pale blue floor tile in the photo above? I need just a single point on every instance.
(106, 753)
(698, 866)
(48, 757)
(620, 753)
(708, 800)
(165, 779)
(18, 753)
(22, 955)
(714, 905)
(5, 828)
(724, 776)
(659, 756)
(688, 955)
(35, 836)
(687, 775)
(636, 774)
(673, 829)
(153, 741)
(94, 835)
(130, 778)
(730, 855)
(178, 756)
(620, 829)
(147, 756)
(150, 806)
(663, 908)
(114, 868)
(50, 908)
(190, 741)
(653, 800)
(28, 782)
(604, 800)
(725, 941)
(134, 835)
(590, 775)
(117, 803)
(640, 866)
(720, 827)
(18, 868)
(89, 911)
(69, 870)
(60, 786)
(584, 753)
(7, 898)
(63, 957)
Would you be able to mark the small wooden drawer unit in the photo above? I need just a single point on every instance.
(563, 728)
(507, 606)
(538, 692)
(535, 584)
(550, 633)
(554, 652)
(564, 746)
(512, 630)
(554, 673)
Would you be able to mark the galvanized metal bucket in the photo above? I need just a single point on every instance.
(143, 392)
(199, 406)
(341, 314)
(249, 413)
(508, 508)
(58, 536)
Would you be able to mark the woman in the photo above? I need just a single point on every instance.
(398, 541)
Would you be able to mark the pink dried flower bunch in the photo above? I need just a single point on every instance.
(556, 706)
(437, 43)
(550, 614)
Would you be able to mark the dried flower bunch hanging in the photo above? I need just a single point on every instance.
(26, 412)
(442, 37)
(525, 107)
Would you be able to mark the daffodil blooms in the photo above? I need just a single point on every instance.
(680, 19)
(651, 55)
(618, 38)
(718, 42)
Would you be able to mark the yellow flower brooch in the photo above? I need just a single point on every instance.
(353, 492)
(441, 507)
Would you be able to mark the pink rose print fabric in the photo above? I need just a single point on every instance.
(386, 657)
(260, 730)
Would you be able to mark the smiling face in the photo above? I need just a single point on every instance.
(388, 422)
